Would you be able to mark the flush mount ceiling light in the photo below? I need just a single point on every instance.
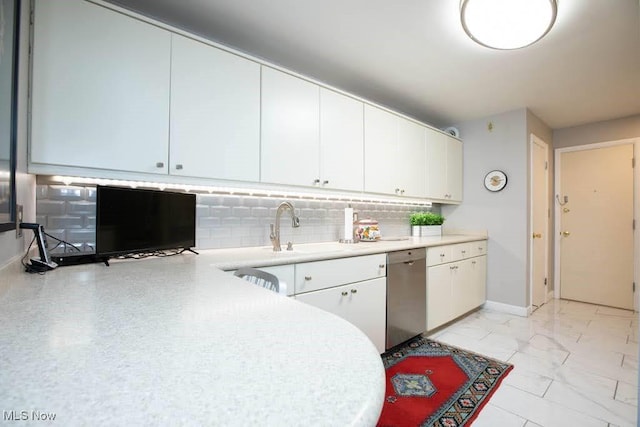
(507, 24)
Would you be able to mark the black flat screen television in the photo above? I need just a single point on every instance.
(132, 221)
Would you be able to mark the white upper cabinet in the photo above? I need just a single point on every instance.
(411, 167)
(215, 113)
(394, 154)
(100, 89)
(341, 141)
(444, 167)
(290, 129)
(380, 136)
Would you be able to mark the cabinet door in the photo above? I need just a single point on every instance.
(380, 136)
(341, 141)
(290, 129)
(363, 304)
(215, 113)
(411, 158)
(454, 169)
(436, 143)
(367, 309)
(479, 278)
(100, 89)
(463, 288)
(438, 295)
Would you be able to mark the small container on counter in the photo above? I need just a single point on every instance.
(367, 230)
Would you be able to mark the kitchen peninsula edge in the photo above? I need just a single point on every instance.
(176, 339)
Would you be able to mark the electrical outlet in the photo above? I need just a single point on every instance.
(18, 221)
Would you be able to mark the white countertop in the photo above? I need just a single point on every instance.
(230, 259)
(177, 341)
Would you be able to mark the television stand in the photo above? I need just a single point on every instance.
(189, 250)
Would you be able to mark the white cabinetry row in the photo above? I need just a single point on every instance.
(113, 93)
(353, 288)
(456, 281)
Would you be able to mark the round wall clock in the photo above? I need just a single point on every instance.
(495, 180)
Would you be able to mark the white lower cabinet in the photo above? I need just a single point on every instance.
(455, 287)
(353, 288)
(363, 304)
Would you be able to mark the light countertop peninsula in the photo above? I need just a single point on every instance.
(177, 341)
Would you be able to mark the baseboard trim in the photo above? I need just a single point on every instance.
(506, 308)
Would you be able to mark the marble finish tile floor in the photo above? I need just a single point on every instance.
(575, 364)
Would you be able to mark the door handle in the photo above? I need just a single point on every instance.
(537, 235)
(565, 233)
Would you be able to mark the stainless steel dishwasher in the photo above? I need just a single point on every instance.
(406, 295)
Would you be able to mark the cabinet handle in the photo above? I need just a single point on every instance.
(353, 291)
(160, 164)
(345, 293)
(325, 182)
(381, 266)
(441, 255)
(464, 252)
(316, 181)
(307, 278)
(402, 191)
(179, 166)
(473, 262)
(397, 190)
(451, 267)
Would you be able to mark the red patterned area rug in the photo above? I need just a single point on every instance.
(434, 384)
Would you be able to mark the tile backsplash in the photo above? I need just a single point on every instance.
(69, 213)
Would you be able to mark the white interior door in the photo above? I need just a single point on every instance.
(596, 247)
(539, 221)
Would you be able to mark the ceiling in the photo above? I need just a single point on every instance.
(413, 56)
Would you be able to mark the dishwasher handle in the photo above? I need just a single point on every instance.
(409, 262)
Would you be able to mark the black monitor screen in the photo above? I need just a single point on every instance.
(133, 220)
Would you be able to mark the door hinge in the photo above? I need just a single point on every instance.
(546, 165)
(633, 162)
(545, 281)
(633, 224)
(634, 286)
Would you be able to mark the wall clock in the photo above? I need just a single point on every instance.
(495, 180)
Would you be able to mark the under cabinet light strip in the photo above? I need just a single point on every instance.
(243, 192)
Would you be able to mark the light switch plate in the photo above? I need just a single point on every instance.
(18, 221)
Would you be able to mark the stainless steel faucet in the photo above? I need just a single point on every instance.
(275, 229)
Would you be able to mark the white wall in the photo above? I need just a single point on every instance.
(608, 130)
(10, 247)
(504, 214)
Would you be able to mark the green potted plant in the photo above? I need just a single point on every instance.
(416, 222)
(432, 224)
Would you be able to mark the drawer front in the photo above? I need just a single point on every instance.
(478, 248)
(460, 251)
(438, 255)
(312, 276)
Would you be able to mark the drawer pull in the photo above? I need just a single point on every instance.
(464, 252)
(345, 293)
(381, 266)
(353, 291)
(473, 262)
(441, 255)
(160, 165)
(307, 278)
